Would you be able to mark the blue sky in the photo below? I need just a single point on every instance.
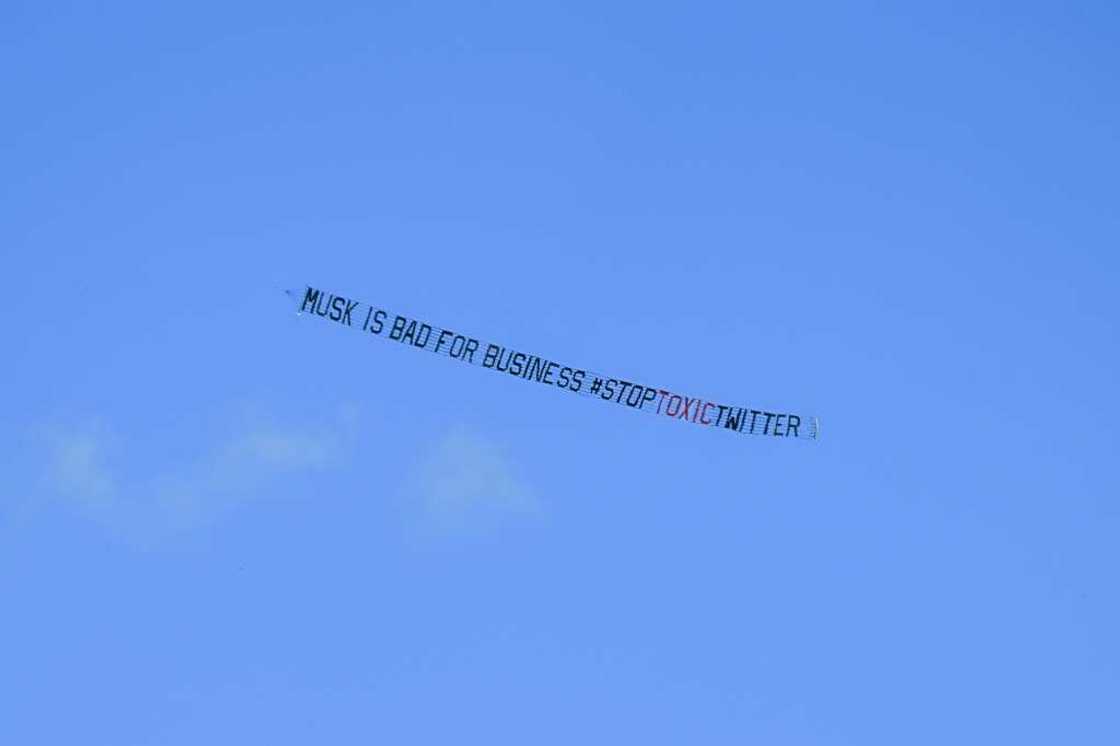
(225, 523)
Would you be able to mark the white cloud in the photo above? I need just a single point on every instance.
(467, 479)
(79, 465)
(465, 483)
(145, 507)
(281, 450)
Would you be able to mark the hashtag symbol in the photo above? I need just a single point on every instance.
(596, 385)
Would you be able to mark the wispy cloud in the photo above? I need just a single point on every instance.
(467, 480)
(79, 465)
(281, 450)
(85, 467)
(465, 483)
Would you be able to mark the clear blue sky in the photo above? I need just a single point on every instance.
(223, 523)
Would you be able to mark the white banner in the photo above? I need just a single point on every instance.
(377, 321)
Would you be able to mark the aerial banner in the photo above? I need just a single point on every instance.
(376, 321)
